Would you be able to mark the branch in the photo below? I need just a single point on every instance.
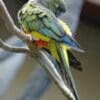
(50, 68)
(45, 63)
(9, 48)
(40, 55)
(14, 41)
(10, 23)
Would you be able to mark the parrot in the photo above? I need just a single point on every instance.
(49, 33)
(58, 7)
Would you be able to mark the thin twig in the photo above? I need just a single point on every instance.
(10, 48)
(10, 23)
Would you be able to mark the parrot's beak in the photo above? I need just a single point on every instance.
(62, 7)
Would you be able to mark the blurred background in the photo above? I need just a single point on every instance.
(20, 75)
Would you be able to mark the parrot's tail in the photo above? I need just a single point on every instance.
(65, 68)
(73, 62)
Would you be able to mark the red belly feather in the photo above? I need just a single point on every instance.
(40, 43)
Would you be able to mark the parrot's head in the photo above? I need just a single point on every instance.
(60, 7)
(60, 4)
(56, 6)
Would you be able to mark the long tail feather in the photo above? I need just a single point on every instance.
(66, 69)
(73, 62)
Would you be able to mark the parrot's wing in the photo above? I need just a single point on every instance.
(53, 29)
(37, 18)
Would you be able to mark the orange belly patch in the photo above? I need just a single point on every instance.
(40, 43)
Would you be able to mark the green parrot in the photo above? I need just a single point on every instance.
(49, 33)
(58, 7)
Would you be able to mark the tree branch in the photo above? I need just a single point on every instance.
(50, 68)
(40, 55)
(45, 63)
(10, 23)
(9, 48)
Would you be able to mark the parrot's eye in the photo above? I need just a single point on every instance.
(62, 7)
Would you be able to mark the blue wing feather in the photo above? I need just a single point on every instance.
(71, 42)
